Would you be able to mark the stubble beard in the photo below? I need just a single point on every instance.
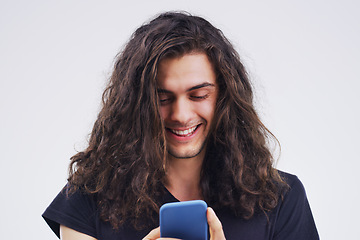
(187, 155)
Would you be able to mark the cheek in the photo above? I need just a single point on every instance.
(163, 112)
(207, 110)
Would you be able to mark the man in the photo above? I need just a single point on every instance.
(178, 123)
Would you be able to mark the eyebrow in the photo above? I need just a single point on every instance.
(202, 85)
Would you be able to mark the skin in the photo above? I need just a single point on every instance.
(188, 93)
(70, 234)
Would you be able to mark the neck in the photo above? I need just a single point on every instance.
(183, 178)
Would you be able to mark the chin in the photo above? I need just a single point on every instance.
(186, 154)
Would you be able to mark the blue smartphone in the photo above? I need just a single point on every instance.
(184, 220)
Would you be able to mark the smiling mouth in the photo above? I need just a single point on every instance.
(184, 133)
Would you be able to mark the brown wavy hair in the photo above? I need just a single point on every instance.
(124, 164)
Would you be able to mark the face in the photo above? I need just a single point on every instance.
(187, 93)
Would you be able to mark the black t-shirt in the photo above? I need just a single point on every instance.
(291, 219)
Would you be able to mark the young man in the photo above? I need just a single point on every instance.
(177, 124)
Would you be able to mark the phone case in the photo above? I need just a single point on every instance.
(184, 220)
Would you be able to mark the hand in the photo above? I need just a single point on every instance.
(216, 231)
(155, 235)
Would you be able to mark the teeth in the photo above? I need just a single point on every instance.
(184, 132)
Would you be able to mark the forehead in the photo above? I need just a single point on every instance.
(185, 71)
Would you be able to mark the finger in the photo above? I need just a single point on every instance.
(216, 230)
(154, 234)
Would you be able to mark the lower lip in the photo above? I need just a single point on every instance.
(182, 138)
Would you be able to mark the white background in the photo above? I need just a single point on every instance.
(303, 56)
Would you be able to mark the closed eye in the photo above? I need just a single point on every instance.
(164, 99)
(198, 98)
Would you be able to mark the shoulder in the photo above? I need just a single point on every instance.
(294, 195)
(293, 182)
(78, 199)
(288, 177)
(294, 217)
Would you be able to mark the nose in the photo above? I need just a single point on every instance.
(181, 111)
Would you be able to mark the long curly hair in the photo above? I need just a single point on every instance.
(124, 164)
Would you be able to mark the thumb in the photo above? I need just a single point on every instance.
(154, 234)
(216, 230)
